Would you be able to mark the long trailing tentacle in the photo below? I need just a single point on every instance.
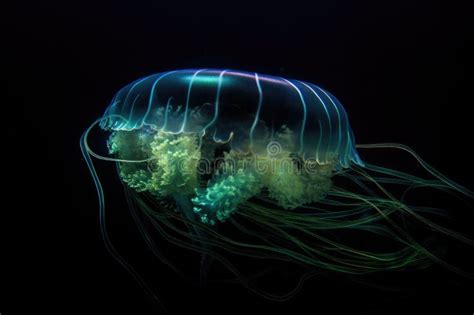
(280, 222)
(168, 220)
(304, 253)
(330, 254)
(404, 207)
(198, 240)
(411, 181)
(87, 152)
(424, 164)
(148, 240)
(305, 235)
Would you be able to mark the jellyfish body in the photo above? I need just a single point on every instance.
(246, 108)
(256, 115)
(212, 148)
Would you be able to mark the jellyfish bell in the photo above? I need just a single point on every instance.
(220, 148)
(250, 107)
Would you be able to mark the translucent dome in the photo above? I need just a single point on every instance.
(249, 110)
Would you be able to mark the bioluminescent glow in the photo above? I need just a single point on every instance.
(205, 153)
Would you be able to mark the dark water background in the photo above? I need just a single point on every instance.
(403, 70)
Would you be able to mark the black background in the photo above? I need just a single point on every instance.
(403, 69)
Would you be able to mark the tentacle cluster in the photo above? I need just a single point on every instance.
(221, 198)
(173, 161)
(172, 170)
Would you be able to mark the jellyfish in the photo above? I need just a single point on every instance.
(227, 163)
